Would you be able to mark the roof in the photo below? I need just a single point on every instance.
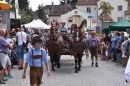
(59, 9)
(87, 2)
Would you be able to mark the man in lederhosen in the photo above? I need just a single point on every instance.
(94, 44)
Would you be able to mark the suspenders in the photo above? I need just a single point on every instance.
(93, 41)
(36, 57)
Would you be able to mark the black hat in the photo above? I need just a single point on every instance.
(36, 39)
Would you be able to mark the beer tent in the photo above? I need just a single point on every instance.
(37, 24)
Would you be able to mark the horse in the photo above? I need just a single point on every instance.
(78, 47)
(54, 46)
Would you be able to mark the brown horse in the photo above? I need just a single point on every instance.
(78, 48)
(54, 47)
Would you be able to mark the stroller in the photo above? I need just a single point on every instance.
(14, 56)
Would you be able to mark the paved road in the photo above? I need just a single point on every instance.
(108, 74)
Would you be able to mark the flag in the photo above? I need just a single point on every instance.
(17, 8)
(16, 4)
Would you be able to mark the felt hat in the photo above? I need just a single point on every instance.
(36, 39)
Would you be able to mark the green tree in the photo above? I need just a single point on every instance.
(41, 13)
(106, 9)
(24, 10)
(72, 2)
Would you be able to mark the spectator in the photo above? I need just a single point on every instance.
(115, 41)
(122, 37)
(21, 38)
(13, 33)
(5, 61)
(103, 34)
(124, 52)
(128, 32)
(118, 52)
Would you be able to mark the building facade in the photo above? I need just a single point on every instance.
(76, 14)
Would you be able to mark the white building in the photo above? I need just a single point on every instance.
(76, 14)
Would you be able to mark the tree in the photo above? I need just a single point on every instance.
(106, 9)
(24, 10)
(72, 2)
(41, 13)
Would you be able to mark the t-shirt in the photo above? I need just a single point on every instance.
(118, 50)
(21, 37)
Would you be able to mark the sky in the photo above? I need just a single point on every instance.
(34, 3)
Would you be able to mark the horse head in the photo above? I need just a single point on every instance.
(53, 31)
(77, 34)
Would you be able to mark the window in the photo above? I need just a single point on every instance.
(54, 20)
(70, 19)
(89, 9)
(119, 8)
(95, 9)
(120, 18)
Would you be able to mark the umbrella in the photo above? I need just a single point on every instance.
(5, 5)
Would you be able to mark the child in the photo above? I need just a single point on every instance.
(36, 57)
(103, 49)
(118, 52)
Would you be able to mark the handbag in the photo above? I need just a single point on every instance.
(24, 44)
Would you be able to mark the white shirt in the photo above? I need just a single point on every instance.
(21, 37)
(123, 46)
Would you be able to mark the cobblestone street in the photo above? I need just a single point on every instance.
(108, 74)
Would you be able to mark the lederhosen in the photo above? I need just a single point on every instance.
(94, 49)
(36, 72)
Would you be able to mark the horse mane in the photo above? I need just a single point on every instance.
(82, 24)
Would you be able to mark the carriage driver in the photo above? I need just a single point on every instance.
(94, 44)
(62, 29)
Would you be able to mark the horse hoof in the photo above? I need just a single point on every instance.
(79, 69)
(58, 66)
(76, 71)
(53, 69)
(54, 65)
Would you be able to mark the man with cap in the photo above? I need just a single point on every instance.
(36, 58)
(93, 44)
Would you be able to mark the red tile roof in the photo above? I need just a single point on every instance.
(87, 2)
(59, 9)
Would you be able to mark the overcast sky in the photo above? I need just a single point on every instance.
(34, 3)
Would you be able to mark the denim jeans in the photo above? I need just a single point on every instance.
(118, 56)
(20, 52)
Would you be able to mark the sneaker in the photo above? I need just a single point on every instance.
(2, 82)
(5, 78)
(6, 75)
(10, 76)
